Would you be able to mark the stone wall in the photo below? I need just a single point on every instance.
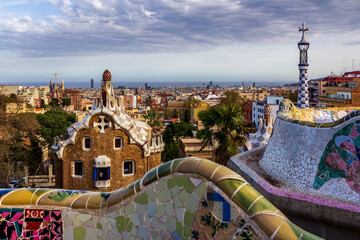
(303, 157)
(181, 199)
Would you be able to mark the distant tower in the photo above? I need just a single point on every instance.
(92, 83)
(62, 85)
(210, 84)
(267, 114)
(243, 84)
(303, 97)
(254, 84)
(51, 85)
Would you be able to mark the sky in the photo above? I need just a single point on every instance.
(175, 40)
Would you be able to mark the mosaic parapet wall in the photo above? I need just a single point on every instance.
(316, 158)
(182, 199)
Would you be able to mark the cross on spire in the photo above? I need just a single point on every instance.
(303, 29)
(102, 124)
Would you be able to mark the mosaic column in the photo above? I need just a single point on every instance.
(303, 97)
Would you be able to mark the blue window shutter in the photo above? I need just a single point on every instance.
(108, 173)
(95, 174)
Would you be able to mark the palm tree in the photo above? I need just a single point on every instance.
(224, 124)
(152, 118)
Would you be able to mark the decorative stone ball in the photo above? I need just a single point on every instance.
(107, 76)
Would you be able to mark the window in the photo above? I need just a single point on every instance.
(118, 143)
(87, 143)
(78, 169)
(129, 167)
(101, 174)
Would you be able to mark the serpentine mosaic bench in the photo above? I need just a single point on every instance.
(182, 199)
(316, 157)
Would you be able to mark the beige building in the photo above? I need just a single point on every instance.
(256, 95)
(10, 89)
(190, 147)
(195, 110)
(108, 149)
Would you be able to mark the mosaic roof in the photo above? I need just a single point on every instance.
(321, 118)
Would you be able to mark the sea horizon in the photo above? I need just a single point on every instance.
(154, 84)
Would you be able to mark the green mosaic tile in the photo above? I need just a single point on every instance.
(142, 199)
(187, 231)
(76, 221)
(120, 223)
(134, 231)
(151, 194)
(179, 227)
(175, 190)
(79, 233)
(177, 202)
(135, 220)
(200, 190)
(99, 226)
(188, 218)
(154, 234)
(130, 209)
(184, 196)
(175, 181)
(161, 196)
(191, 205)
(160, 186)
(180, 214)
(123, 224)
(189, 187)
(169, 209)
(84, 217)
(160, 211)
(171, 224)
(151, 208)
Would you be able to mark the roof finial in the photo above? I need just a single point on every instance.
(303, 29)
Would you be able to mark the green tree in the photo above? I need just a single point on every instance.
(175, 114)
(191, 102)
(55, 102)
(232, 97)
(42, 103)
(171, 137)
(228, 122)
(171, 151)
(152, 118)
(187, 116)
(65, 102)
(54, 123)
(16, 132)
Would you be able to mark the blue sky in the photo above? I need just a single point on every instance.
(175, 40)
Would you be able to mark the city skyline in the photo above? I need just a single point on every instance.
(174, 41)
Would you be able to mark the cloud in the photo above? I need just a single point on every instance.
(87, 27)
